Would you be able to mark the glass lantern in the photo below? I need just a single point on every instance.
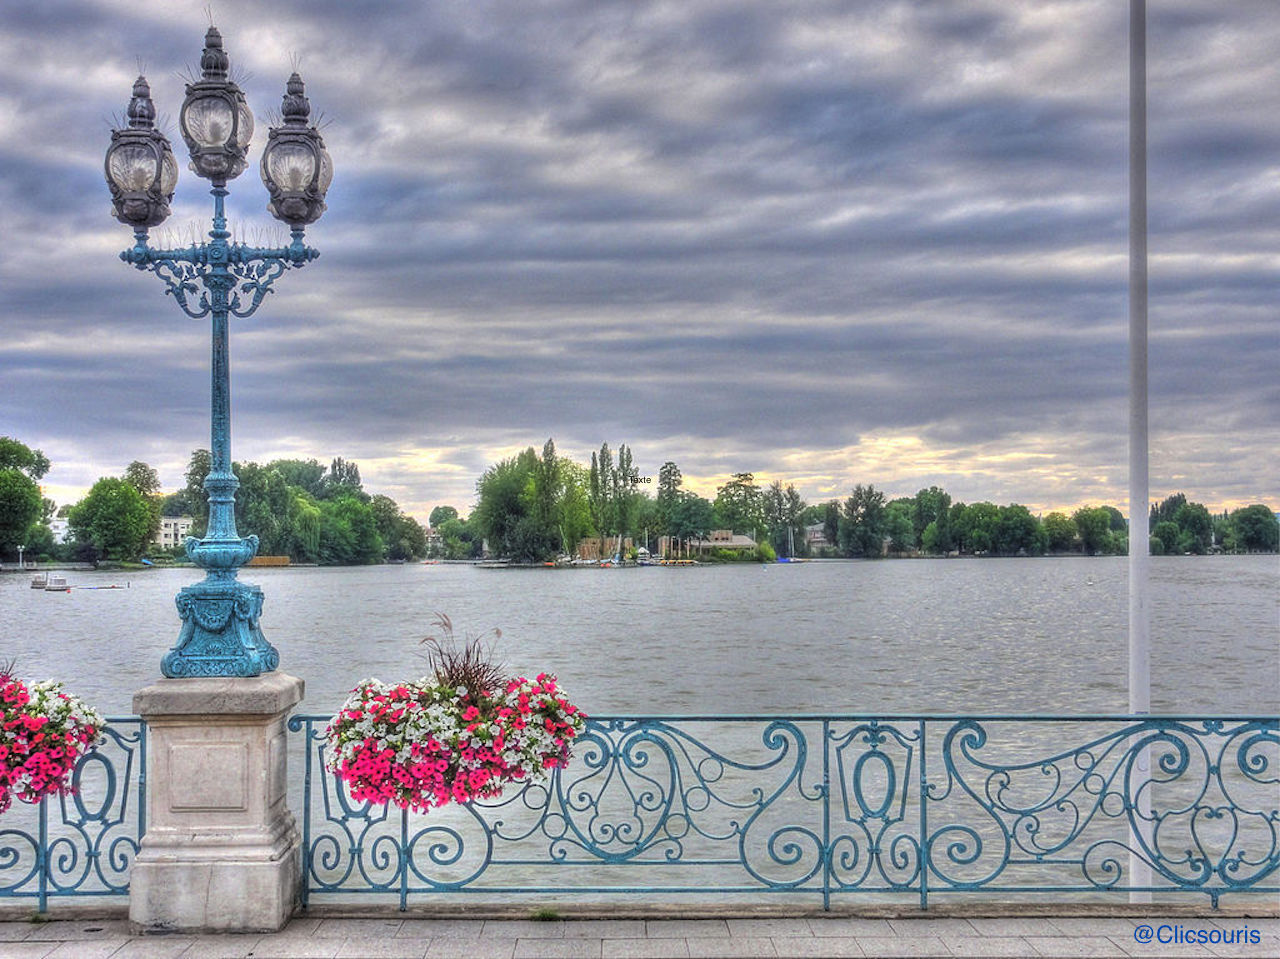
(215, 119)
(296, 168)
(140, 167)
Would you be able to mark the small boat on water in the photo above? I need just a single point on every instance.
(39, 580)
(56, 584)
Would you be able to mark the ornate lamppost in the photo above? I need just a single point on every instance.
(219, 279)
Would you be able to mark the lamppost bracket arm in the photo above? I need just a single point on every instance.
(238, 276)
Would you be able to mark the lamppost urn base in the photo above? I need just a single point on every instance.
(220, 633)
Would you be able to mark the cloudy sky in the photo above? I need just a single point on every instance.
(826, 241)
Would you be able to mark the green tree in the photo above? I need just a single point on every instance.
(349, 531)
(831, 523)
(142, 478)
(147, 482)
(458, 540)
(1167, 510)
(773, 506)
(401, 535)
(18, 456)
(900, 525)
(600, 490)
(343, 480)
(114, 519)
(306, 475)
(692, 517)
(305, 521)
(1017, 531)
(1060, 532)
(1166, 534)
(198, 468)
(929, 538)
(263, 508)
(793, 507)
(1092, 523)
(440, 515)
(573, 512)
(863, 522)
(498, 507)
(1196, 528)
(20, 506)
(933, 505)
(1256, 529)
(515, 512)
(669, 483)
(977, 527)
(739, 505)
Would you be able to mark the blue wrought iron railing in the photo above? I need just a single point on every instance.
(835, 808)
(82, 844)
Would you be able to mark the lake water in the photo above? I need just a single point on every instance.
(936, 636)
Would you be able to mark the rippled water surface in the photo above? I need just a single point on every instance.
(941, 636)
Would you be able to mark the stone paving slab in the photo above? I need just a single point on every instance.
(395, 937)
(384, 947)
(1067, 947)
(646, 948)
(471, 949)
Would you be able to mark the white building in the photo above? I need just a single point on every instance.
(61, 529)
(173, 530)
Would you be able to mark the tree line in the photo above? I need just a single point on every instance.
(535, 506)
(296, 508)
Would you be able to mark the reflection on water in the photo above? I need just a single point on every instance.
(940, 636)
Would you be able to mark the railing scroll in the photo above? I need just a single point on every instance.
(82, 844)
(834, 808)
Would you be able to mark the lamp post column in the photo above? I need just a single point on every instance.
(221, 851)
(220, 632)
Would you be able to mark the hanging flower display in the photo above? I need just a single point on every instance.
(459, 734)
(43, 732)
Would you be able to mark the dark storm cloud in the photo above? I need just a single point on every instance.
(830, 242)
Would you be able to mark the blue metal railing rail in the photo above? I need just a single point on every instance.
(834, 808)
(82, 844)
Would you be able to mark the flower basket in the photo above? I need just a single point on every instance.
(456, 736)
(43, 732)
(424, 744)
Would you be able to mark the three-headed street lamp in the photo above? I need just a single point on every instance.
(220, 633)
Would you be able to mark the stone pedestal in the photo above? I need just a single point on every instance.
(221, 851)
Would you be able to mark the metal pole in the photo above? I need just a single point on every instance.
(1139, 479)
(221, 483)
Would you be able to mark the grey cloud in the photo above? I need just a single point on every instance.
(719, 232)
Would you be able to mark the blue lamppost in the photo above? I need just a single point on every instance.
(220, 633)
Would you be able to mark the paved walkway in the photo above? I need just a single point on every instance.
(412, 938)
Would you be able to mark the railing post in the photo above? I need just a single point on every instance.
(404, 859)
(142, 780)
(826, 815)
(42, 855)
(924, 820)
(305, 892)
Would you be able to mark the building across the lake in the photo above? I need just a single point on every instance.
(173, 530)
(716, 539)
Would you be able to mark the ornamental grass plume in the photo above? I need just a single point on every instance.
(471, 666)
(43, 733)
(459, 734)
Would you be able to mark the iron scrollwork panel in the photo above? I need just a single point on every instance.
(82, 844)
(837, 806)
(643, 800)
(875, 806)
(1187, 798)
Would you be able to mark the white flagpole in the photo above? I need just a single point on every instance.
(1139, 479)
